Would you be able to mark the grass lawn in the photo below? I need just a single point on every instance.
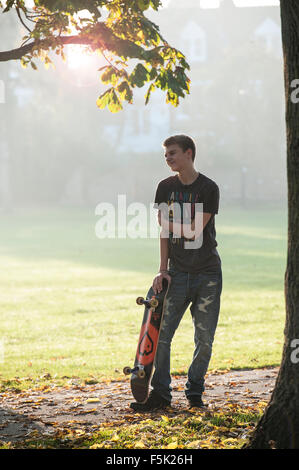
(67, 299)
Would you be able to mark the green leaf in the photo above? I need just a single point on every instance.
(139, 76)
(155, 4)
(125, 92)
(9, 5)
(104, 99)
(114, 104)
(112, 74)
(143, 4)
(149, 92)
(172, 98)
(153, 73)
(125, 35)
(161, 80)
(110, 99)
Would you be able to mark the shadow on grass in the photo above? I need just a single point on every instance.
(69, 236)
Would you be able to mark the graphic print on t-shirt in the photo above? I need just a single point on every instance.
(182, 206)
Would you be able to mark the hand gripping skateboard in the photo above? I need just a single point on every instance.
(147, 343)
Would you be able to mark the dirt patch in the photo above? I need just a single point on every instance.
(44, 411)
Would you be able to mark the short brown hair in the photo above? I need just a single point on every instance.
(183, 141)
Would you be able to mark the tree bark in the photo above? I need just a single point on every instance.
(19, 52)
(279, 426)
(99, 37)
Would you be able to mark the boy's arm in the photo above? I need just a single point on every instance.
(157, 282)
(188, 231)
(163, 245)
(163, 253)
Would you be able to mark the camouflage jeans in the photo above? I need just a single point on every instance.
(202, 292)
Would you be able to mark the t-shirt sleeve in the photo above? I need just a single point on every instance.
(160, 196)
(211, 200)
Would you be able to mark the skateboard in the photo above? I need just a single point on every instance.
(147, 343)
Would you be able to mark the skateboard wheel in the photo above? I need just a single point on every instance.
(154, 303)
(141, 374)
(139, 300)
(127, 370)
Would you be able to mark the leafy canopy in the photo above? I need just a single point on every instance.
(134, 49)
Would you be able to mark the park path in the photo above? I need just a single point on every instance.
(44, 411)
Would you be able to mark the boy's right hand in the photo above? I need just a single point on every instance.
(158, 281)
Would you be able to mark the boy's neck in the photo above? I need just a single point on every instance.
(188, 175)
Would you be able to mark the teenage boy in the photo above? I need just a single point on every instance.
(191, 264)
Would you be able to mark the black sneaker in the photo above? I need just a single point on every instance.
(196, 402)
(154, 402)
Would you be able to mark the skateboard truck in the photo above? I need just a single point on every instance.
(138, 370)
(150, 303)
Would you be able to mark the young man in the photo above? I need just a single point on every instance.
(190, 262)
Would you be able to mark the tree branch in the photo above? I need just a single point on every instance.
(99, 37)
(21, 20)
(18, 53)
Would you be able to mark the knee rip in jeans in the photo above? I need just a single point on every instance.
(212, 284)
(200, 327)
(204, 302)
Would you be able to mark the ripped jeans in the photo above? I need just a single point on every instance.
(203, 292)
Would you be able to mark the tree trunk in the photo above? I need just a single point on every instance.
(279, 426)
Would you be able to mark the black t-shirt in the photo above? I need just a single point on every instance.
(205, 191)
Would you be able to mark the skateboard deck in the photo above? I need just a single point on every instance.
(147, 343)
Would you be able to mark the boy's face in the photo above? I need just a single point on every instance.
(176, 158)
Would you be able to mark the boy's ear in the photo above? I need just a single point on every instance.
(189, 151)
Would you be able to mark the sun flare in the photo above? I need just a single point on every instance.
(79, 57)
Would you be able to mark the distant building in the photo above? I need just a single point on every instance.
(270, 33)
(205, 36)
